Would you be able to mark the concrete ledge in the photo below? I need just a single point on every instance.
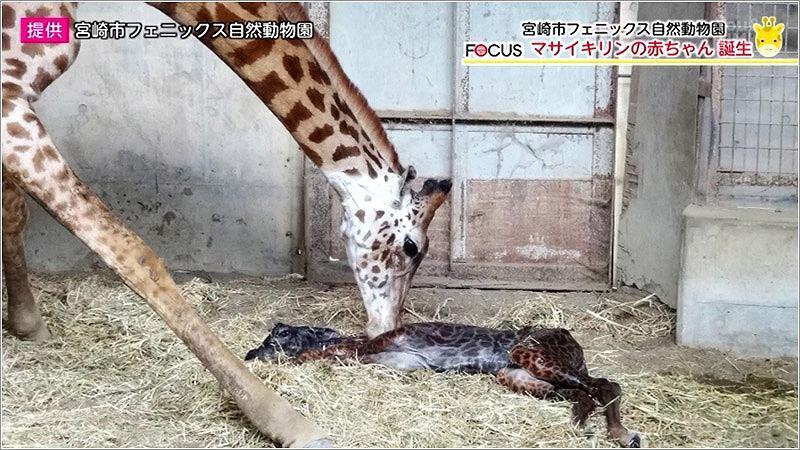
(739, 281)
(742, 214)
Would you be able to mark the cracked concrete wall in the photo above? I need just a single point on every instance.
(660, 164)
(176, 145)
(739, 282)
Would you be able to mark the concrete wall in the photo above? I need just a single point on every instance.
(179, 147)
(730, 266)
(739, 281)
(659, 167)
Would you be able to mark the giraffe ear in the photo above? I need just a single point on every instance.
(779, 28)
(409, 175)
(757, 28)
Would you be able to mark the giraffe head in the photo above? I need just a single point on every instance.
(769, 39)
(386, 238)
(291, 340)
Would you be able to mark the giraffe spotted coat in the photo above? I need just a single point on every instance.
(542, 362)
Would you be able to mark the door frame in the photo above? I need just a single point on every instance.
(319, 197)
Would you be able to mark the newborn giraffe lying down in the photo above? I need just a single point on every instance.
(543, 362)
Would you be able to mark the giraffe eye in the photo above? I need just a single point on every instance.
(410, 248)
(775, 40)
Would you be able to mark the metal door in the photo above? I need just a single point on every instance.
(530, 150)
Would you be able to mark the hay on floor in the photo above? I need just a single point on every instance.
(114, 375)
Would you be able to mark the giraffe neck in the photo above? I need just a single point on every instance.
(302, 83)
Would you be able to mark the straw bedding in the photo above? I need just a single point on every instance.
(114, 375)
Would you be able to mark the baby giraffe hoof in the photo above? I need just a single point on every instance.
(634, 441)
(36, 333)
(320, 443)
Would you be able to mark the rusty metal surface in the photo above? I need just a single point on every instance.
(550, 222)
(536, 196)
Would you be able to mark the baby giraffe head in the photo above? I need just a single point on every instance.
(386, 233)
(290, 341)
(769, 39)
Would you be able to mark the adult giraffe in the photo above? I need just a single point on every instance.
(385, 223)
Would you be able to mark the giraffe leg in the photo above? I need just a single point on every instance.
(24, 319)
(609, 393)
(582, 404)
(34, 164)
(540, 364)
(519, 380)
(345, 350)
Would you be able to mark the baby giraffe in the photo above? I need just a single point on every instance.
(543, 362)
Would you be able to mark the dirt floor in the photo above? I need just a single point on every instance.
(114, 375)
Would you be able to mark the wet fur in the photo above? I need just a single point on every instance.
(543, 362)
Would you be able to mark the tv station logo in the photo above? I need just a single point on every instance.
(493, 50)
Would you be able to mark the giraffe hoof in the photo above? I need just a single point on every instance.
(320, 443)
(634, 441)
(36, 333)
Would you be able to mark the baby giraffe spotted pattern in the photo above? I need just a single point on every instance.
(542, 362)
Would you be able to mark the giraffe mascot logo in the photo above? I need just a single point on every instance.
(769, 39)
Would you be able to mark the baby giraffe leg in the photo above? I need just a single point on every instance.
(346, 350)
(582, 404)
(24, 319)
(608, 393)
(541, 365)
(519, 380)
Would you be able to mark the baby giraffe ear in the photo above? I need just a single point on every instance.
(779, 28)
(758, 28)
